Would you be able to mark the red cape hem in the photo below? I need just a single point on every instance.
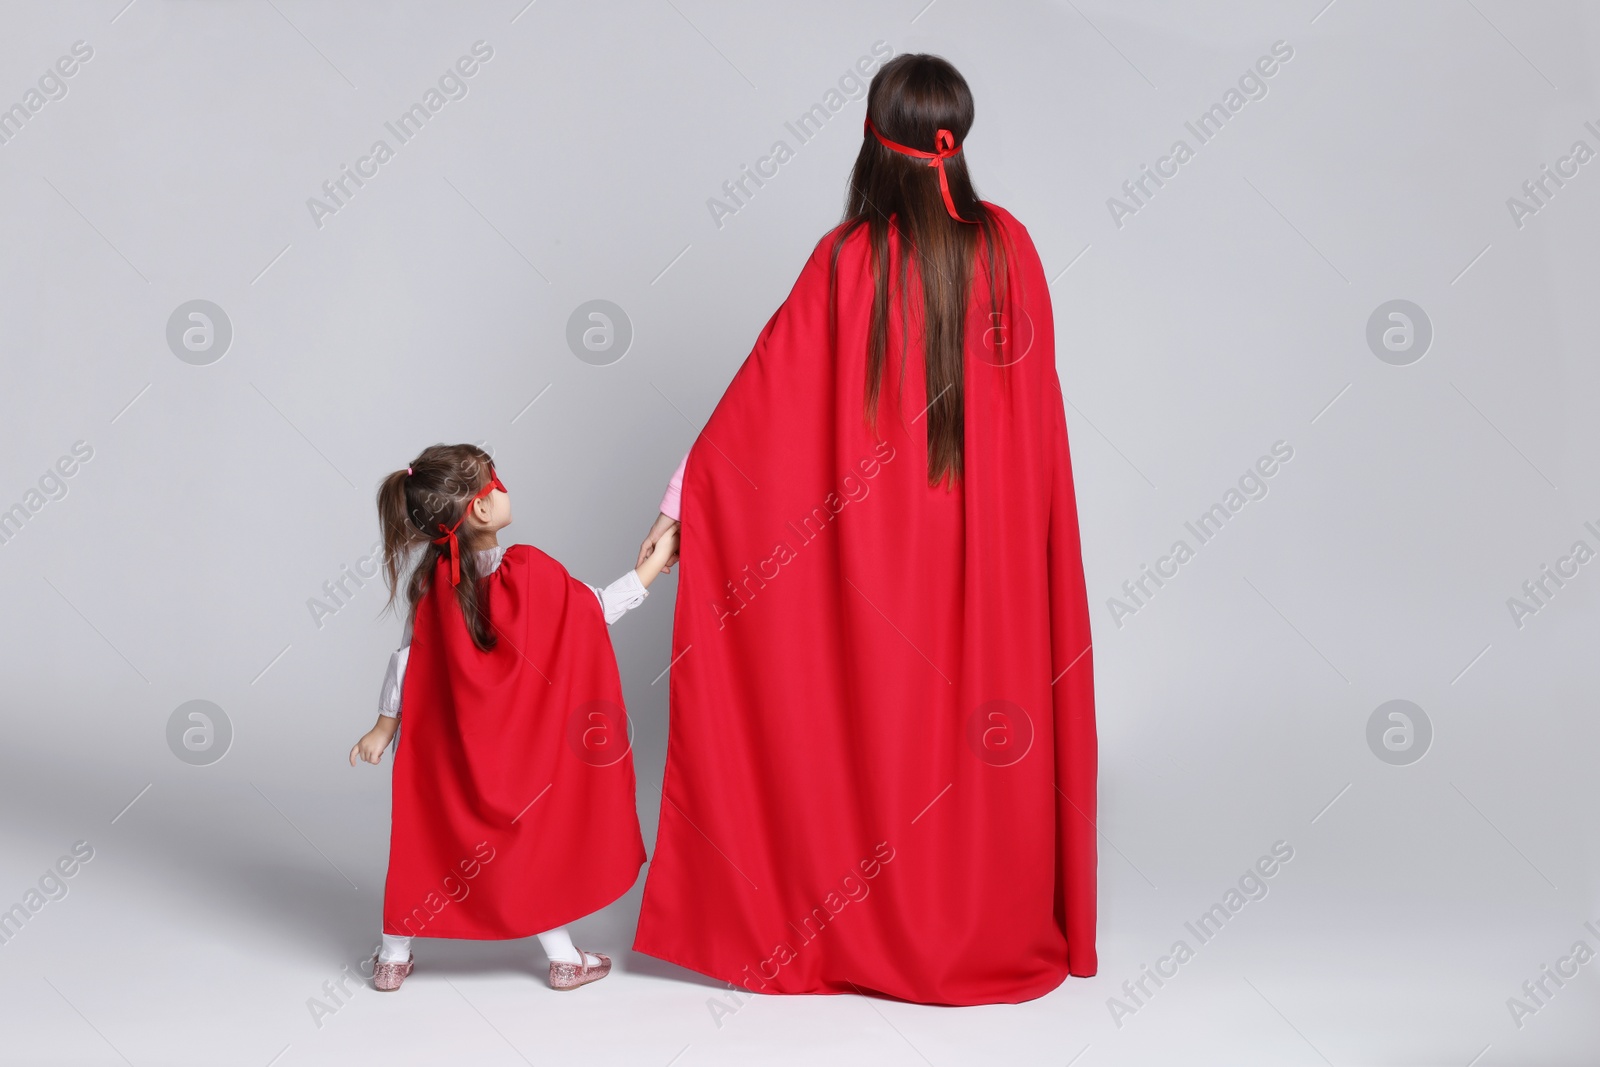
(1022, 996)
(607, 898)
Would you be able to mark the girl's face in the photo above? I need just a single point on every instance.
(499, 509)
(491, 513)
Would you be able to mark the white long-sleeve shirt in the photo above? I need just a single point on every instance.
(616, 600)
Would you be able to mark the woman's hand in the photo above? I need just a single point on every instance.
(664, 522)
(374, 741)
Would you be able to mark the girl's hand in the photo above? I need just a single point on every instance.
(663, 523)
(374, 741)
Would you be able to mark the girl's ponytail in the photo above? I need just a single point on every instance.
(400, 535)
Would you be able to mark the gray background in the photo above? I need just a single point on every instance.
(1228, 314)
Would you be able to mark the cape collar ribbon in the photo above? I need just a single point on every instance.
(449, 535)
(944, 143)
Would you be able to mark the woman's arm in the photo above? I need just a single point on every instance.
(671, 499)
(667, 520)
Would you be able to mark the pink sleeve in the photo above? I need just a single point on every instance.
(674, 493)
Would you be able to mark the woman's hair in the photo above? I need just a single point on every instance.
(912, 97)
(418, 505)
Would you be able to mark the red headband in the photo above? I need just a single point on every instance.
(449, 536)
(944, 141)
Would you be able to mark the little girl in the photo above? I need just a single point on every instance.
(514, 790)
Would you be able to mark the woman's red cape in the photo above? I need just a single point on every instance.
(513, 781)
(881, 761)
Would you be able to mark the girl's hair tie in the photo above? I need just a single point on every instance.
(409, 471)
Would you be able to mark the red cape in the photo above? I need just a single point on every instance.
(882, 756)
(513, 782)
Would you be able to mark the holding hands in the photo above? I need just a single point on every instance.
(659, 551)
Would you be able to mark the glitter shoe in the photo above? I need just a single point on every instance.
(572, 975)
(386, 976)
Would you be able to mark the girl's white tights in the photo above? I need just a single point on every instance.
(557, 945)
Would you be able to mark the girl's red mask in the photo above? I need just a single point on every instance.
(449, 535)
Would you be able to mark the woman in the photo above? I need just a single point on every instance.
(881, 763)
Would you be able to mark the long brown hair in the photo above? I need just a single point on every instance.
(415, 507)
(912, 97)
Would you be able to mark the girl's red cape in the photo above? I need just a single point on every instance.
(513, 779)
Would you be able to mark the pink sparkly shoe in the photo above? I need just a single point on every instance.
(573, 975)
(386, 976)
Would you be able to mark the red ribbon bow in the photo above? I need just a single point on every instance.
(945, 143)
(449, 535)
